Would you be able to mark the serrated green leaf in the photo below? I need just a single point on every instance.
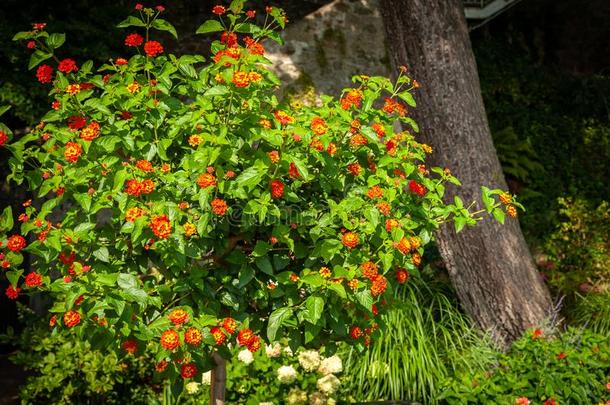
(210, 26)
(164, 25)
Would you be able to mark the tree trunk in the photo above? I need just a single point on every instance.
(490, 265)
(219, 381)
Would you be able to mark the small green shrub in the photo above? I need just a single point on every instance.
(572, 368)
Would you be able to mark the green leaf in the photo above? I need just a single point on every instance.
(315, 306)
(276, 319)
(261, 249)
(98, 105)
(459, 223)
(163, 25)
(498, 215)
(4, 109)
(6, 220)
(216, 91)
(13, 277)
(109, 279)
(131, 21)
(365, 299)
(408, 97)
(102, 254)
(37, 57)
(264, 264)
(56, 40)
(126, 281)
(250, 177)
(209, 26)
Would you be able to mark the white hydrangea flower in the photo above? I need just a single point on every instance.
(273, 350)
(331, 365)
(317, 398)
(206, 378)
(328, 384)
(286, 374)
(331, 401)
(192, 387)
(245, 356)
(309, 360)
(296, 396)
(265, 403)
(288, 351)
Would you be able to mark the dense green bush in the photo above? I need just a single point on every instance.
(571, 368)
(69, 371)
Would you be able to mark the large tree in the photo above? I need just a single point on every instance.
(490, 265)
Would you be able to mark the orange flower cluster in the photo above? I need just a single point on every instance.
(193, 336)
(318, 126)
(350, 239)
(170, 339)
(136, 188)
(391, 223)
(355, 169)
(380, 283)
(247, 338)
(71, 319)
(194, 140)
(161, 226)
(206, 180)
(325, 272)
(403, 246)
(231, 52)
(15, 243)
(90, 132)
(218, 335)
(369, 270)
(392, 106)
(219, 206)
(293, 171)
(229, 325)
(379, 129)
(189, 229)
(144, 165)
(274, 156)
(358, 140)
(283, 117)
(240, 79)
(72, 152)
(374, 192)
(352, 98)
(178, 316)
(133, 213)
(254, 47)
(355, 332)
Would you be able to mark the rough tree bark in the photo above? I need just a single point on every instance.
(490, 265)
(218, 381)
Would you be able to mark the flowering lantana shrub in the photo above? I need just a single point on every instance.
(181, 207)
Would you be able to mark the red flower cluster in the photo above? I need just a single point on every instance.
(318, 126)
(44, 74)
(219, 10)
(12, 293)
(277, 189)
(15, 243)
(188, 370)
(161, 226)
(76, 122)
(229, 325)
(134, 40)
(153, 48)
(402, 275)
(67, 66)
(417, 188)
(33, 280)
(247, 338)
(130, 346)
(229, 39)
(3, 138)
